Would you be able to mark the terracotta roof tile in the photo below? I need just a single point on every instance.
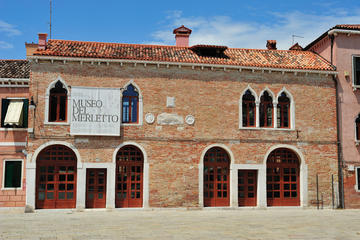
(14, 69)
(347, 26)
(283, 59)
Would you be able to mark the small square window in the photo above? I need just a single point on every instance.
(12, 178)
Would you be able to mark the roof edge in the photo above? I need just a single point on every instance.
(179, 64)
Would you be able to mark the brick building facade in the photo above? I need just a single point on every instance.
(14, 94)
(201, 126)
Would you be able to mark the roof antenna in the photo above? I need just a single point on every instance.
(50, 16)
(294, 36)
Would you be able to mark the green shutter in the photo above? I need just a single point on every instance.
(4, 107)
(25, 113)
(12, 174)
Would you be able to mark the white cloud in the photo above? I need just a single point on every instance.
(5, 45)
(9, 29)
(223, 30)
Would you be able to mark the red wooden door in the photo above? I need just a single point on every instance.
(56, 178)
(216, 178)
(129, 177)
(247, 188)
(282, 178)
(96, 188)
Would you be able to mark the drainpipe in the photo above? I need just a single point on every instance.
(340, 162)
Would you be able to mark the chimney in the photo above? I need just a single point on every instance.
(31, 48)
(182, 35)
(271, 44)
(42, 41)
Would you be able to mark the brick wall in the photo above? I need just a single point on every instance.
(212, 97)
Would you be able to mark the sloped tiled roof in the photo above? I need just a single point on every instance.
(283, 59)
(14, 69)
(347, 26)
(353, 27)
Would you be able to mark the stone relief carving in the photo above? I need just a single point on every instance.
(169, 119)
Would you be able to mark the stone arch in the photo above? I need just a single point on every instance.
(138, 90)
(257, 101)
(47, 95)
(303, 169)
(292, 105)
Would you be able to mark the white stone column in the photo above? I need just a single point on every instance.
(110, 185)
(81, 187)
(261, 191)
(303, 185)
(201, 184)
(257, 116)
(275, 114)
(146, 186)
(30, 184)
(233, 186)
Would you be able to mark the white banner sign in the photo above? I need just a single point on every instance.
(95, 111)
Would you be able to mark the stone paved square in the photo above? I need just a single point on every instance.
(276, 223)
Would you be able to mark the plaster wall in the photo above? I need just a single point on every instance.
(12, 142)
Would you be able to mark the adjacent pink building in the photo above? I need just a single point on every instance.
(340, 45)
(14, 93)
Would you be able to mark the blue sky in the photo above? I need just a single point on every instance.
(240, 24)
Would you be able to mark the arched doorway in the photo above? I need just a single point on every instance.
(216, 178)
(129, 177)
(282, 178)
(56, 178)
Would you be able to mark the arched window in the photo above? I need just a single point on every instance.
(248, 110)
(283, 111)
(357, 126)
(130, 105)
(58, 103)
(266, 110)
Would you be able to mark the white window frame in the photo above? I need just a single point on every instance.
(353, 71)
(274, 99)
(356, 179)
(257, 122)
(21, 175)
(140, 109)
(275, 102)
(47, 95)
(292, 109)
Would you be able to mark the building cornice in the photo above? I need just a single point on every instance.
(14, 82)
(342, 31)
(177, 64)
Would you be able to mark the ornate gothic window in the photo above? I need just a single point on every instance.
(266, 110)
(248, 110)
(130, 105)
(283, 111)
(58, 103)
